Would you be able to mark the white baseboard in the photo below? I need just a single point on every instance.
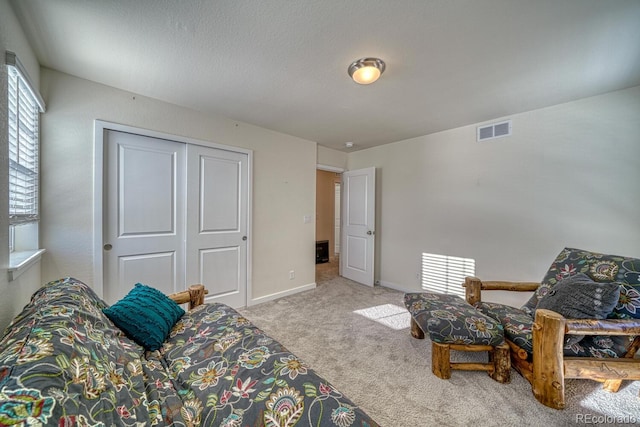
(281, 294)
(397, 287)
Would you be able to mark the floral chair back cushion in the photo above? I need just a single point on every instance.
(601, 268)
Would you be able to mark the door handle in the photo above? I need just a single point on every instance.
(244, 237)
(107, 247)
(370, 233)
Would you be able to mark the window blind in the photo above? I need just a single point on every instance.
(445, 274)
(24, 108)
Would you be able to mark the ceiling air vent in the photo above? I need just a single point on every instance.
(495, 130)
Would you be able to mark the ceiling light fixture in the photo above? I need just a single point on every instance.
(366, 70)
(348, 144)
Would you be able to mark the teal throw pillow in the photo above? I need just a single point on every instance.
(145, 315)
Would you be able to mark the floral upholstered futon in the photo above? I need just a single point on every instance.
(569, 263)
(63, 363)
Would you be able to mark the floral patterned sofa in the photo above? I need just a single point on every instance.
(63, 362)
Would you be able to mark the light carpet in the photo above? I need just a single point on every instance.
(358, 339)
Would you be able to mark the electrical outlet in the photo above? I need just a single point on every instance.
(292, 274)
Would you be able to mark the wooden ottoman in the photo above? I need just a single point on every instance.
(452, 324)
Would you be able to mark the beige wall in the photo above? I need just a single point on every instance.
(283, 173)
(15, 294)
(325, 208)
(568, 176)
(333, 158)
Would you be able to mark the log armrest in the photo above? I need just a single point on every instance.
(628, 327)
(474, 286)
(194, 296)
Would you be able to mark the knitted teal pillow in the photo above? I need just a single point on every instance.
(146, 315)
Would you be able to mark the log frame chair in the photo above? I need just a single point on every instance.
(194, 296)
(549, 367)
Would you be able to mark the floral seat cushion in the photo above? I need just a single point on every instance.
(448, 319)
(517, 323)
(518, 329)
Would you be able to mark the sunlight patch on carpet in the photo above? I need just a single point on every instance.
(389, 315)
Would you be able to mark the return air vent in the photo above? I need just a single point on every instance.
(495, 130)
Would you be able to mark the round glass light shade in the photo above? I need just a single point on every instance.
(366, 75)
(366, 70)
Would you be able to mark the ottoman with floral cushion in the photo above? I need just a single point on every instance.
(453, 324)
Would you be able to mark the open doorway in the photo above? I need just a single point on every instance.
(327, 224)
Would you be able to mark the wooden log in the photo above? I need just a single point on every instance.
(501, 363)
(194, 296)
(517, 351)
(598, 368)
(416, 331)
(548, 369)
(523, 367)
(614, 385)
(440, 365)
(473, 289)
(602, 327)
(470, 347)
(471, 366)
(509, 286)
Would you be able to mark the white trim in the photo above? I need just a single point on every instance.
(100, 127)
(329, 168)
(19, 262)
(281, 294)
(12, 60)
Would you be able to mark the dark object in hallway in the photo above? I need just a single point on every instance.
(322, 251)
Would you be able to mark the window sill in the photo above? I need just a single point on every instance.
(19, 262)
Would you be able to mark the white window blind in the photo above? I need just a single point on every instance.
(25, 105)
(445, 274)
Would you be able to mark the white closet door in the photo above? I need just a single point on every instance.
(175, 214)
(143, 231)
(217, 200)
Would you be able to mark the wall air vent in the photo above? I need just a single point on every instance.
(494, 130)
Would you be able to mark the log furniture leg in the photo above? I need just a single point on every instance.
(440, 360)
(498, 368)
(500, 357)
(548, 366)
(416, 332)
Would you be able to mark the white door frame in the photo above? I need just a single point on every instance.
(334, 169)
(100, 127)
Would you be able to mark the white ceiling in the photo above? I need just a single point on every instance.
(282, 64)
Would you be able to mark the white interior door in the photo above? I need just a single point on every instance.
(358, 231)
(143, 231)
(217, 188)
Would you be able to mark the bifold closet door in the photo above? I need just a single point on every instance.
(176, 214)
(217, 200)
(144, 214)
